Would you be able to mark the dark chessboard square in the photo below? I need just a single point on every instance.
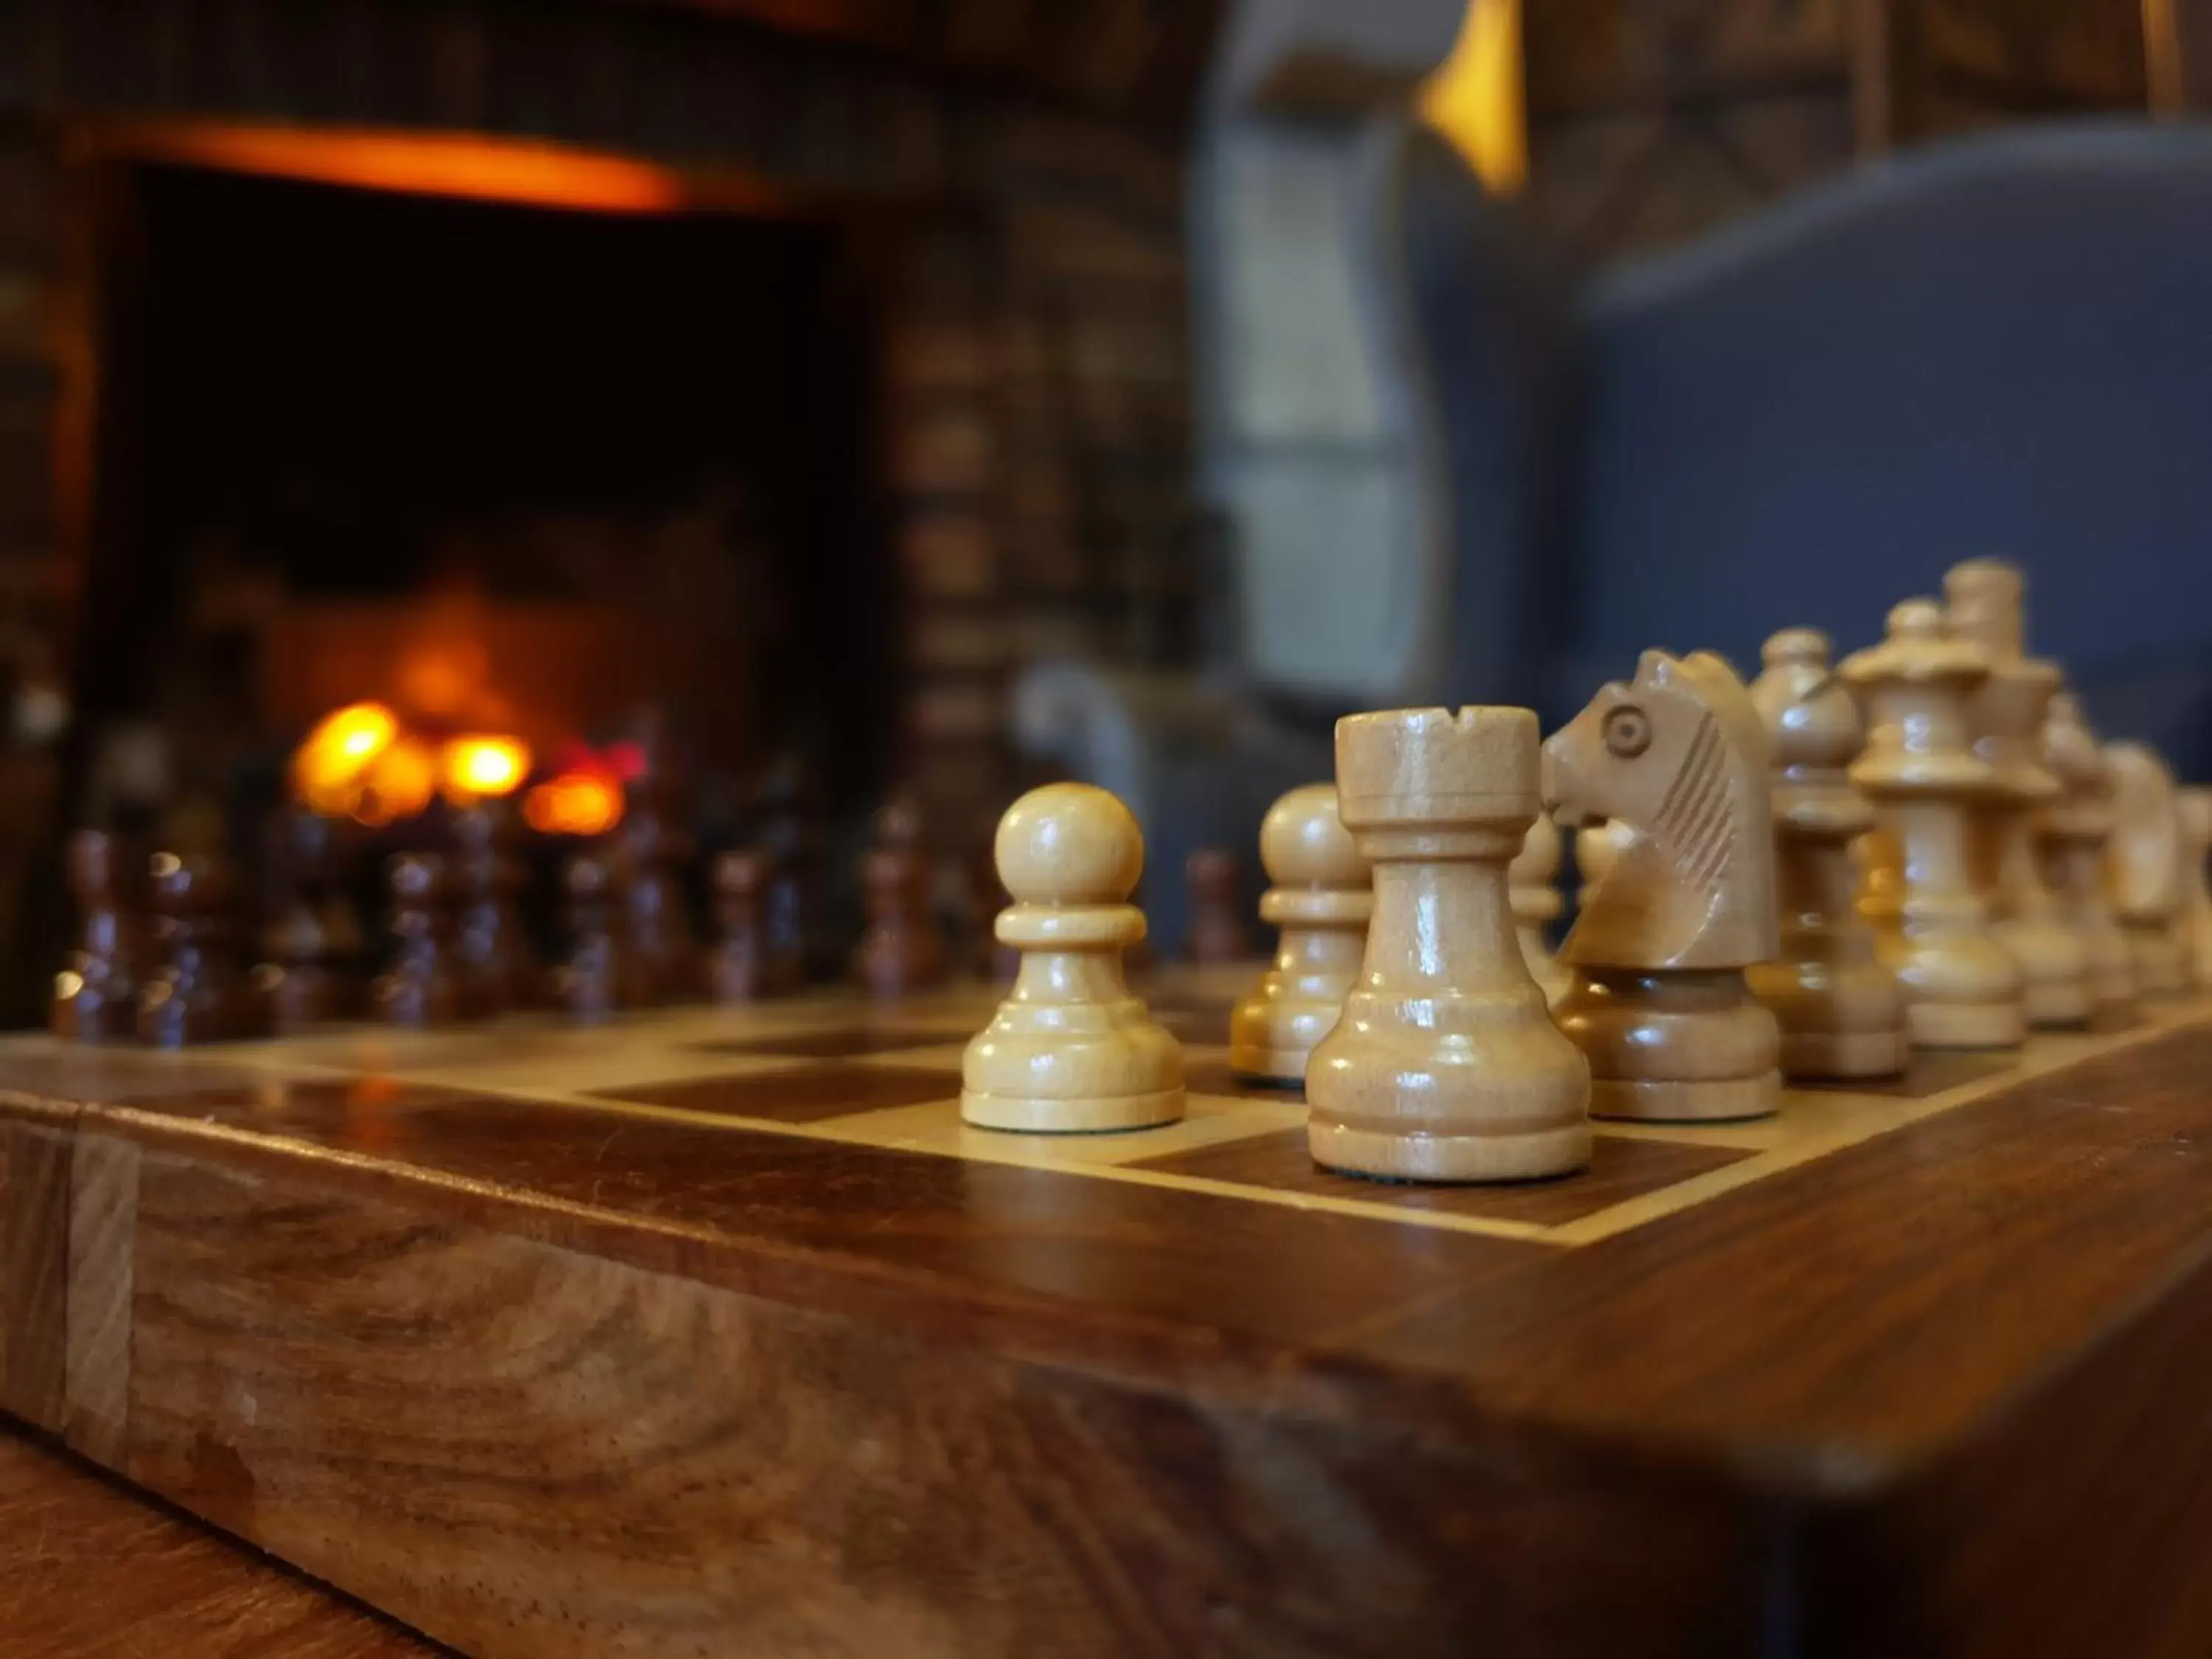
(1621, 1169)
(800, 1094)
(1194, 1022)
(1929, 1071)
(1213, 1077)
(838, 1041)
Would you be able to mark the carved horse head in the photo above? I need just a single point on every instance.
(1678, 756)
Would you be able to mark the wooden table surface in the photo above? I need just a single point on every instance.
(680, 1365)
(90, 1571)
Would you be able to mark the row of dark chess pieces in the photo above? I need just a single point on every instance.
(170, 950)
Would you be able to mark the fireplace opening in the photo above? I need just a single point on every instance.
(500, 469)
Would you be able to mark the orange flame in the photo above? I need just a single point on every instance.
(334, 759)
(476, 766)
(574, 804)
(397, 786)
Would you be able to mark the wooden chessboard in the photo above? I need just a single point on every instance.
(714, 1331)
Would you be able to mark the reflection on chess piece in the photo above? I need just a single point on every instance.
(1983, 604)
(418, 988)
(2196, 807)
(96, 997)
(2074, 829)
(1536, 903)
(494, 970)
(2143, 867)
(902, 950)
(1962, 988)
(739, 970)
(1322, 898)
(1840, 1010)
(1659, 1002)
(1445, 1066)
(1071, 1049)
(198, 994)
(1217, 933)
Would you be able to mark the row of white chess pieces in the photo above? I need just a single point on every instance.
(1807, 877)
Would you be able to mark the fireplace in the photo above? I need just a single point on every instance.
(518, 468)
(793, 374)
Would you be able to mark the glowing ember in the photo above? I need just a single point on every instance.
(399, 785)
(332, 763)
(474, 767)
(574, 804)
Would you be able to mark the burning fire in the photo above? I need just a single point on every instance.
(577, 803)
(360, 762)
(477, 766)
(330, 769)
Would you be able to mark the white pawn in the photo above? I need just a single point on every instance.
(1532, 879)
(1071, 1050)
(1321, 899)
(2144, 867)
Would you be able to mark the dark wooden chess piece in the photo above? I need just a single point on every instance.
(1217, 933)
(654, 847)
(601, 976)
(738, 970)
(494, 970)
(198, 995)
(791, 833)
(296, 979)
(95, 996)
(902, 950)
(418, 988)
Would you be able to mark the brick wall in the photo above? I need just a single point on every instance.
(1037, 358)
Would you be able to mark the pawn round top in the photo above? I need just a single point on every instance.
(588, 876)
(1420, 766)
(1303, 843)
(92, 862)
(1069, 843)
(741, 870)
(187, 884)
(1812, 719)
(1211, 871)
(1795, 647)
(416, 877)
(898, 821)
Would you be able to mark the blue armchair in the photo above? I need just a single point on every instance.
(2003, 345)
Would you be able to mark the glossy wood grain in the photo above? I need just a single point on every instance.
(555, 1380)
(88, 1570)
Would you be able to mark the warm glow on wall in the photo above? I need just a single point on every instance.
(430, 164)
(1474, 97)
